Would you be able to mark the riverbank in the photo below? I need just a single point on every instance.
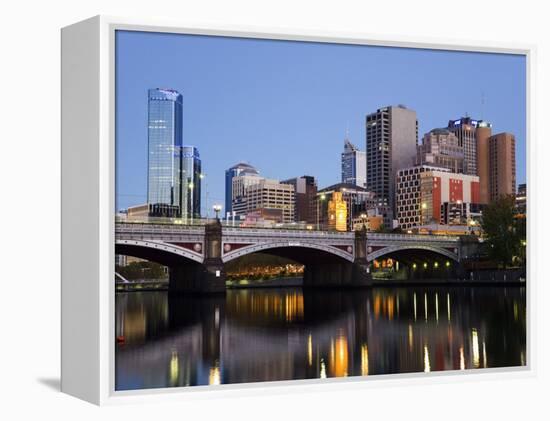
(142, 285)
(289, 281)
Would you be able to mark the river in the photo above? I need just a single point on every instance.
(253, 335)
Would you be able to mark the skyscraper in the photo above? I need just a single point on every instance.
(464, 129)
(483, 133)
(502, 165)
(191, 175)
(241, 168)
(164, 166)
(391, 137)
(354, 165)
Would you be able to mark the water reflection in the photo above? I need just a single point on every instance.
(265, 335)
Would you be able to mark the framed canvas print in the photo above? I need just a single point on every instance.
(245, 208)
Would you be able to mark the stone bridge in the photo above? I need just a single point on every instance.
(196, 255)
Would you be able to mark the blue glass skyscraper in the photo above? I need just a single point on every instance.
(191, 170)
(164, 169)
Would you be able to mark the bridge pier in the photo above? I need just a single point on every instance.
(342, 274)
(208, 277)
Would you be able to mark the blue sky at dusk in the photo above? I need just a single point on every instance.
(285, 106)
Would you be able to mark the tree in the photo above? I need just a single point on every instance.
(504, 231)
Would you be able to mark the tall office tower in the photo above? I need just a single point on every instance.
(191, 176)
(440, 148)
(502, 165)
(241, 168)
(465, 130)
(305, 191)
(483, 133)
(392, 137)
(164, 176)
(354, 165)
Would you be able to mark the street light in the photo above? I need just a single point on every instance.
(202, 176)
(217, 209)
(322, 197)
(191, 187)
(363, 219)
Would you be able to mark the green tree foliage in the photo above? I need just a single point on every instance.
(504, 231)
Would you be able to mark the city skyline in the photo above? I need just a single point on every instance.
(228, 123)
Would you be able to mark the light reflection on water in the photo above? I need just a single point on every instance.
(255, 335)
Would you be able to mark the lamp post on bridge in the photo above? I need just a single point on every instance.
(363, 219)
(217, 209)
(322, 197)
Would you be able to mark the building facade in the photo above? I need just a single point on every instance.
(391, 140)
(354, 165)
(337, 213)
(502, 165)
(164, 159)
(421, 191)
(241, 168)
(192, 182)
(305, 190)
(358, 200)
(465, 129)
(259, 194)
(440, 148)
(483, 133)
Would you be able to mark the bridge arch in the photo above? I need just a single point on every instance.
(399, 248)
(160, 252)
(287, 248)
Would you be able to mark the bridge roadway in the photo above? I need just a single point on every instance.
(327, 255)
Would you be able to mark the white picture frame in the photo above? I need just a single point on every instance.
(88, 171)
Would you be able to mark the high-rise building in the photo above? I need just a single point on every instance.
(464, 129)
(391, 138)
(440, 148)
(354, 165)
(502, 165)
(483, 133)
(421, 190)
(241, 168)
(164, 166)
(191, 175)
(305, 190)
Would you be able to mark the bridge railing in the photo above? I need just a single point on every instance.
(412, 237)
(200, 222)
(178, 224)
